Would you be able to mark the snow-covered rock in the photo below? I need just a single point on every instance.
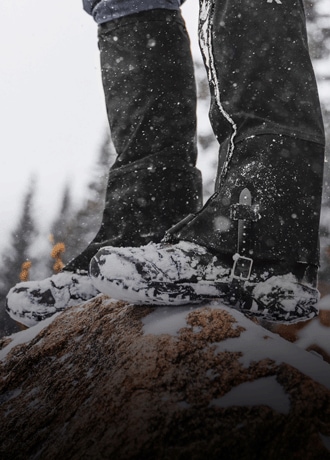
(115, 381)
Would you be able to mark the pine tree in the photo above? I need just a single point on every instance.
(61, 228)
(16, 254)
(21, 239)
(76, 228)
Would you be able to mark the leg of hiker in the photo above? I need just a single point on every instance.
(255, 242)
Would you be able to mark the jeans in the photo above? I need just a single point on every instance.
(107, 10)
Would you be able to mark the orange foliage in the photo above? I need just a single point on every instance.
(25, 269)
(56, 253)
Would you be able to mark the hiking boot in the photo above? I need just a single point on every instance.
(33, 301)
(186, 273)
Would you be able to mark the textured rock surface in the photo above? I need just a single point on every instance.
(113, 381)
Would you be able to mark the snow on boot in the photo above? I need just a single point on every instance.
(184, 273)
(283, 298)
(32, 301)
(160, 274)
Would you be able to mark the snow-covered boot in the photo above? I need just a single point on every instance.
(255, 242)
(150, 93)
(33, 301)
(187, 273)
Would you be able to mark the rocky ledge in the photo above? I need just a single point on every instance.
(108, 380)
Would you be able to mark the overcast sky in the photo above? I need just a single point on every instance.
(52, 112)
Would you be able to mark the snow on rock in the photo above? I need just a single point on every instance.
(24, 337)
(324, 303)
(265, 391)
(166, 320)
(255, 344)
(117, 381)
(314, 335)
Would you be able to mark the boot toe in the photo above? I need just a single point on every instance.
(282, 298)
(32, 301)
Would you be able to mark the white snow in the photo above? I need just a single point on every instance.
(119, 272)
(161, 263)
(255, 343)
(25, 336)
(265, 391)
(288, 289)
(66, 288)
(324, 303)
(314, 333)
(166, 320)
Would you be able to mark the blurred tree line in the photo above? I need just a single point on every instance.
(73, 226)
(76, 227)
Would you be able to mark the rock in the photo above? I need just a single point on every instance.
(312, 335)
(108, 380)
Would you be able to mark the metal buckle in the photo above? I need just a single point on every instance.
(242, 267)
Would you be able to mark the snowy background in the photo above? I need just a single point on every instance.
(52, 112)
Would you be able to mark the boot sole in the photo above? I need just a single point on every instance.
(290, 306)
